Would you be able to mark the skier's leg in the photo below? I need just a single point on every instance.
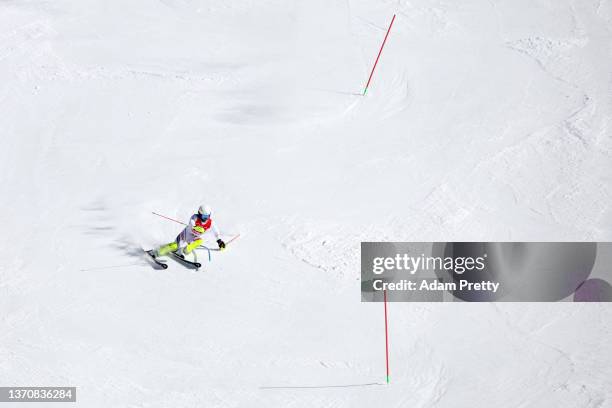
(181, 243)
(170, 247)
(191, 246)
(166, 249)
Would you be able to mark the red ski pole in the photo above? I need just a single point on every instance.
(233, 239)
(168, 218)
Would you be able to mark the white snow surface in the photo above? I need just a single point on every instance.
(485, 120)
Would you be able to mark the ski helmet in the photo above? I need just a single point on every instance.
(205, 210)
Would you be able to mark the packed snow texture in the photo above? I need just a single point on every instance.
(485, 120)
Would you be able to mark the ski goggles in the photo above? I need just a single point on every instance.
(204, 217)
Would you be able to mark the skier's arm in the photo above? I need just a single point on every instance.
(218, 235)
(192, 222)
(215, 229)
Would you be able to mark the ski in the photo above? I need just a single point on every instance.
(154, 260)
(185, 262)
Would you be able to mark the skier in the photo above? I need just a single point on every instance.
(191, 236)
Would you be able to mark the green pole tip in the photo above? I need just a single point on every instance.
(387, 379)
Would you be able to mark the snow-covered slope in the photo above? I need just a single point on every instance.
(485, 120)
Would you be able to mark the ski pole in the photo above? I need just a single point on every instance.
(216, 249)
(233, 239)
(207, 249)
(168, 218)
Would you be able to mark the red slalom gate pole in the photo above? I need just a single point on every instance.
(378, 56)
(386, 336)
(168, 218)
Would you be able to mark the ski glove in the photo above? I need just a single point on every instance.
(221, 244)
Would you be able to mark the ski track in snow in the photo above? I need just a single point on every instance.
(485, 120)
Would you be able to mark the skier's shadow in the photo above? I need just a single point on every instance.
(100, 225)
(128, 248)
